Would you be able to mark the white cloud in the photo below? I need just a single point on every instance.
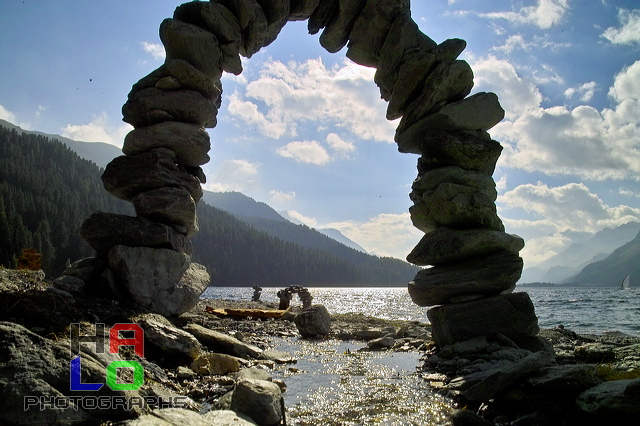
(7, 115)
(287, 95)
(583, 92)
(517, 41)
(555, 211)
(339, 145)
(629, 32)
(516, 94)
(385, 235)
(545, 14)
(305, 152)
(156, 50)
(281, 197)
(234, 175)
(309, 221)
(512, 43)
(99, 129)
(40, 109)
(626, 85)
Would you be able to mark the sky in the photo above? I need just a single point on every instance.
(305, 131)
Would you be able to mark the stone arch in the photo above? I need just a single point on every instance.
(475, 264)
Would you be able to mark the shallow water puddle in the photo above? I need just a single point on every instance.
(334, 384)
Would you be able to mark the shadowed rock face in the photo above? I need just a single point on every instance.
(474, 262)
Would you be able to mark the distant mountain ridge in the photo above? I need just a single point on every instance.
(578, 255)
(98, 152)
(610, 271)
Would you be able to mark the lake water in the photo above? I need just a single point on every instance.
(583, 310)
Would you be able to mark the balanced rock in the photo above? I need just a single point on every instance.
(161, 280)
(445, 245)
(104, 230)
(277, 14)
(193, 44)
(449, 82)
(456, 206)
(322, 15)
(511, 314)
(315, 321)
(186, 76)
(371, 28)
(450, 49)
(411, 76)
(153, 106)
(480, 112)
(467, 150)
(127, 176)
(336, 32)
(253, 24)
(169, 205)
(432, 179)
(189, 142)
(301, 10)
(404, 38)
(480, 276)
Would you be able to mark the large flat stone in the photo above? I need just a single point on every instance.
(169, 205)
(301, 10)
(410, 82)
(224, 343)
(253, 24)
(127, 176)
(163, 281)
(445, 245)
(321, 16)
(104, 230)
(510, 314)
(432, 179)
(479, 277)
(189, 142)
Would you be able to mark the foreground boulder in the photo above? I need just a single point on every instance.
(312, 322)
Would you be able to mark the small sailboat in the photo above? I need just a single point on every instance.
(626, 284)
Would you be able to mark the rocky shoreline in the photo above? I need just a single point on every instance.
(200, 368)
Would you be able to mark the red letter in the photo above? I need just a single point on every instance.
(137, 342)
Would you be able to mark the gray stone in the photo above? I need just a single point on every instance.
(32, 365)
(301, 10)
(215, 364)
(468, 150)
(313, 321)
(258, 399)
(188, 78)
(450, 49)
(161, 280)
(105, 230)
(185, 373)
(217, 19)
(153, 106)
(510, 314)
(595, 352)
(487, 384)
(561, 379)
(432, 179)
(404, 38)
(381, 343)
(253, 24)
(369, 334)
(189, 142)
(488, 275)
(193, 44)
(169, 205)
(456, 206)
(445, 245)
(221, 342)
(171, 340)
(322, 15)
(615, 401)
(72, 285)
(371, 28)
(82, 269)
(449, 82)
(277, 14)
(63, 295)
(254, 374)
(179, 416)
(127, 176)
(481, 112)
(465, 417)
(336, 33)
(411, 77)
(277, 356)
(472, 346)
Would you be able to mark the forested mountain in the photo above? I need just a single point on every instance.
(47, 191)
(611, 271)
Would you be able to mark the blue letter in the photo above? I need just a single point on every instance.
(74, 371)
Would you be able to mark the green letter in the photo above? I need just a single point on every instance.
(112, 375)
